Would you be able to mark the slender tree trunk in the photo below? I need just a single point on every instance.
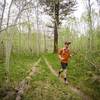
(2, 15)
(37, 34)
(8, 47)
(90, 39)
(9, 39)
(1, 19)
(56, 24)
(29, 32)
(19, 38)
(55, 39)
(44, 40)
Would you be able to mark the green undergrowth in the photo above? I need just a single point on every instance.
(45, 86)
(2, 74)
(20, 66)
(79, 74)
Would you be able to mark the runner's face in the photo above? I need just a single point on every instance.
(66, 45)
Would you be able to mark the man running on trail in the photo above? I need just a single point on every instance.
(64, 55)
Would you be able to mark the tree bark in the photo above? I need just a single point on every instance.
(1, 19)
(56, 24)
(91, 40)
(9, 41)
(37, 35)
(8, 46)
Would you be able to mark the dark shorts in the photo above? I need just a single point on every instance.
(64, 65)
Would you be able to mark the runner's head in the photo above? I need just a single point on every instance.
(67, 44)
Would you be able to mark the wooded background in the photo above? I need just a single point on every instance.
(24, 29)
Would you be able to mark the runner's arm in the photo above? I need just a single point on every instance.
(59, 54)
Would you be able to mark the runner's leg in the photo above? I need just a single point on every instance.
(60, 71)
(65, 77)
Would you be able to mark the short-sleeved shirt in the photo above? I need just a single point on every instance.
(64, 53)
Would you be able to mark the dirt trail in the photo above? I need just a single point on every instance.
(74, 89)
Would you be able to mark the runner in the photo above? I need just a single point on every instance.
(64, 55)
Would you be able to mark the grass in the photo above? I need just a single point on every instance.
(78, 74)
(45, 86)
(20, 65)
(74, 68)
(2, 74)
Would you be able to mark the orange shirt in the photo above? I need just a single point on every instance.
(65, 54)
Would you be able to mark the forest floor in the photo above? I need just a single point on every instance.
(73, 88)
(35, 78)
